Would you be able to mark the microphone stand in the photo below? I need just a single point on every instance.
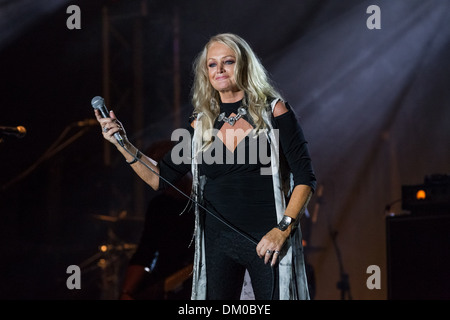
(114, 256)
(343, 284)
(56, 147)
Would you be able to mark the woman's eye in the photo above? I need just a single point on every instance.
(214, 64)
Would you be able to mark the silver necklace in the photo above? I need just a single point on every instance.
(232, 120)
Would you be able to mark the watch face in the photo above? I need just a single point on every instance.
(284, 223)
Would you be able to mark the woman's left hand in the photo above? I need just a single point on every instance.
(271, 244)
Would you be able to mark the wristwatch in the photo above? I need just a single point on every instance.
(285, 223)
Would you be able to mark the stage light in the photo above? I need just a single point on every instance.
(421, 194)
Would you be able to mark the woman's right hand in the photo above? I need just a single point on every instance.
(110, 126)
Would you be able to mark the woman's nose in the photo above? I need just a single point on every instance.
(220, 68)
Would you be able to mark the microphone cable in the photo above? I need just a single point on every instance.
(245, 235)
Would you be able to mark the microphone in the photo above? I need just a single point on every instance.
(18, 132)
(99, 104)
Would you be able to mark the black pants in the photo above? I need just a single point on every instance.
(228, 255)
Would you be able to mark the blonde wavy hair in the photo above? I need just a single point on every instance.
(250, 75)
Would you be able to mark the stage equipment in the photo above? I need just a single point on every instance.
(55, 148)
(111, 258)
(418, 257)
(18, 132)
(418, 243)
(431, 197)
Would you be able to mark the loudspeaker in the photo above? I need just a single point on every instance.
(418, 257)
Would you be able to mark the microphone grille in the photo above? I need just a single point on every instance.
(97, 102)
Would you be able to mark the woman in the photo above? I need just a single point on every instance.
(237, 111)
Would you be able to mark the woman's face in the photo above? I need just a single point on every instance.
(221, 62)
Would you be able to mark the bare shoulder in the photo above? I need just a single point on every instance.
(280, 108)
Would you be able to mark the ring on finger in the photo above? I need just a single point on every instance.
(276, 252)
(269, 251)
(105, 129)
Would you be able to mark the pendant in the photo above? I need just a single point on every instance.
(242, 111)
(232, 120)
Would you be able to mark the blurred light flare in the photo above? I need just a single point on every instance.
(19, 15)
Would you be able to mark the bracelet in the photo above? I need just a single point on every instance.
(136, 157)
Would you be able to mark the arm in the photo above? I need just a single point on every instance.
(112, 125)
(274, 240)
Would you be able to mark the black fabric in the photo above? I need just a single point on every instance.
(241, 195)
(237, 191)
(173, 172)
(294, 148)
(228, 255)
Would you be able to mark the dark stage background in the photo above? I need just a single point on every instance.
(374, 105)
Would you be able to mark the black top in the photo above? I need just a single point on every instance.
(235, 188)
